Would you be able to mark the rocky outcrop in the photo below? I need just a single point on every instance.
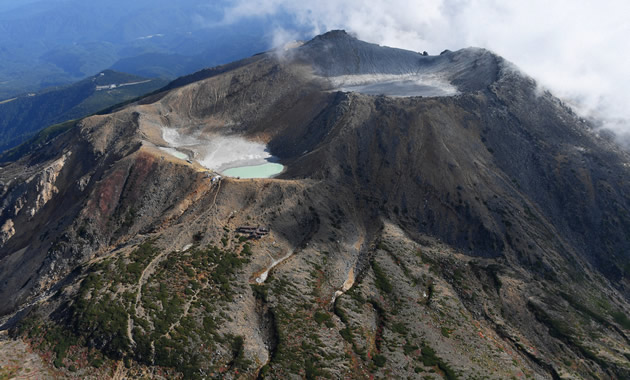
(44, 184)
(7, 231)
(28, 197)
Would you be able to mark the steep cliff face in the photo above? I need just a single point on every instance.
(483, 233)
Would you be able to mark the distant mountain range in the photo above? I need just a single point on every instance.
(55, 42)
(23, 116)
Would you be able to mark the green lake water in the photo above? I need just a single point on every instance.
(256, 171)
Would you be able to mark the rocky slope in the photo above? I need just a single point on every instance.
(482, 234)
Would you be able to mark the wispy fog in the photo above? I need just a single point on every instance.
(577, 49)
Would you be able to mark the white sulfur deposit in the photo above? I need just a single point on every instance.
(395, 85)
(218, 152)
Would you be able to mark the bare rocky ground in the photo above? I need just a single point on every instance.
(481, 235)
(18, 361)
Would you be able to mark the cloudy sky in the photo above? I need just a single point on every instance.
(577, 48)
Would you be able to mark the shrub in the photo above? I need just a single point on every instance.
(622, 319)
(409, 348)
(247, 250)
(428, 356)
(346, 334)
(379, 360)
(198, 236)
(429, 359)
(311, 368)
(399, 328)
(321, 317)
(381, 281)
(239, 354)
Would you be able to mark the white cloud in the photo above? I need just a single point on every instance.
(576, 48)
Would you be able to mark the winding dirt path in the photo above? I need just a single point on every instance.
(214, 202)
(118, 373)
(212, 206)
(188, 304)
(148, 271)
(263, 276)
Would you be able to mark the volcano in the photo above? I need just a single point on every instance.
(435, 216)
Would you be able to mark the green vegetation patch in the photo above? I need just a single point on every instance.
(380, 279)
(40, 138)
(621, 318)
(177, 321)
(379, 360)
(321, 317)
(430, 359)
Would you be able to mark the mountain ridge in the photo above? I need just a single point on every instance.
(483, 233)
(27, 114)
